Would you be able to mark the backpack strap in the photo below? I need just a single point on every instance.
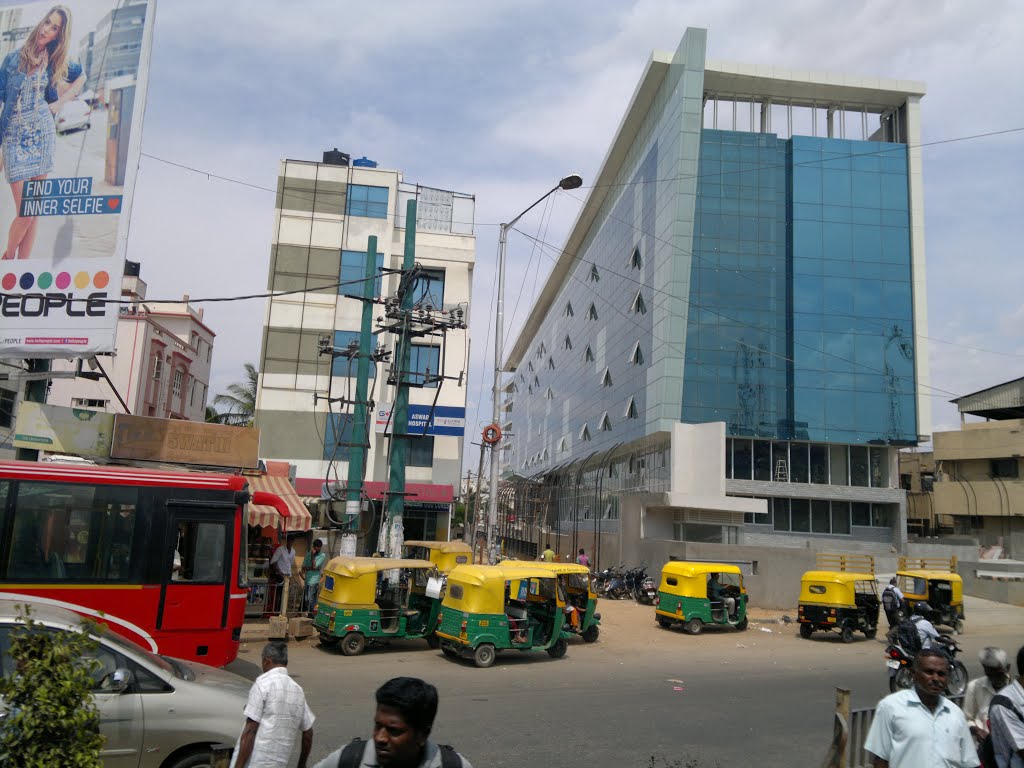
(352, 754)
(449, 757)
(999, 700)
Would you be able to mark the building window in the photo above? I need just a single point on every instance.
(88, 402)
(631, 412)
(592, 313)
(635, 260)
(637, 358)
(347, 366)
(209, 352)
(568, 309)
(429, 288)
(549, 394)
(568, 343)
(353, 272)
(158, 367)
(338, 437)
(1006, 468)
(421, 451)
(595, 276)
(927, 482)
(551, 363)
(606, 380)
(7, 398)
(367, 201)
(588, 354)
(179, 375)
(424, 365)
(585, 433)
(606, 423)
(905, 482)
(639, 308)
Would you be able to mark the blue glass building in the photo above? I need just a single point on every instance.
(750, 256)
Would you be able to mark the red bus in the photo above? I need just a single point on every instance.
(158, 556)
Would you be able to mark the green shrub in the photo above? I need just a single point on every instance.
(51, 715)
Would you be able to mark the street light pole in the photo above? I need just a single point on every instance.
(572, 181)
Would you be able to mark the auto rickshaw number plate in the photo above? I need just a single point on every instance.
(892, 664)
(831, 619)
(348, 613)
(484, 623)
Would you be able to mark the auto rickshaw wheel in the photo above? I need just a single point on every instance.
(558, 650)
(846, 634)
(870, 633)
(958, 626)
(433, 641)
(693, 626)
(664, 623)
(591, 633)
(353, 644)
(448, 651)
(326, 639)
(741, 625)
(484, 655)
(806, 630)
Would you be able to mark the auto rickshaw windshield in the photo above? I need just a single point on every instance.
(730, 580)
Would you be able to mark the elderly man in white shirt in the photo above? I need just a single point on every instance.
(275, 715)
(919, 727)
(980, 691)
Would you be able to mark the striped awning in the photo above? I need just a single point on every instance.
(298, 518)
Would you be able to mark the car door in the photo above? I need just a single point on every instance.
(121, 722)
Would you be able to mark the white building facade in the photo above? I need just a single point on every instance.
(326, 213)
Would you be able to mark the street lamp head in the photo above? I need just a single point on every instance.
(572, 181)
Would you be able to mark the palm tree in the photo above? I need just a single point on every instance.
(240, 402)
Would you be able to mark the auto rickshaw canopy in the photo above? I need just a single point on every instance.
(580, 573)
(481, 588)
(353, 580)
(914, 583)
(444, 554)
(838, 588)
(689, 579)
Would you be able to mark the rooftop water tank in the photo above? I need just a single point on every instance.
(364, 162)
(334, 157)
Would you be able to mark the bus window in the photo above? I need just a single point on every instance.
(73, 533)
(201, 549)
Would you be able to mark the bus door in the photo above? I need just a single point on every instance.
(198, 555)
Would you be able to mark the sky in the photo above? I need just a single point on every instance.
(500, 100)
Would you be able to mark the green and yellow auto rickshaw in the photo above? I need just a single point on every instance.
(933, 581)
(578, 588)
(492, 608)
(444, 554)
(695, 594)
(374, 599)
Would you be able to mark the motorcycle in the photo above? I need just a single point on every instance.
(648, 591)
(603, 580)
(640, 586)
(900, 663)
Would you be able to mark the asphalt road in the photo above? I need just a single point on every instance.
(641, 696)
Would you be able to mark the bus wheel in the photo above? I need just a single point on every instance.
(484, 655)
(326, 639)
(591, 633)
(806, 630)
(433, 641)
(694, 626)
(353, 644)
(558, 650)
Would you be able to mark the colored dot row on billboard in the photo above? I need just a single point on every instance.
(61, 280)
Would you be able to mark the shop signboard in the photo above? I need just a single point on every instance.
(440, 420)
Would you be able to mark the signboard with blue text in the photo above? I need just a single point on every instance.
(447, 420)
(73, 83)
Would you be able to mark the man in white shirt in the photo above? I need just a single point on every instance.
(919, 727)
(1008, 724)
(981, 689)
(281, 562)
(275, 715)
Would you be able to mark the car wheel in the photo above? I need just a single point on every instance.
(558, 650)
(353, 644)
(694, 626)
(806, 630)
(484, 655)
(195, 758)
(590, 635)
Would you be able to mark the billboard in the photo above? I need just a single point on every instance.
(447, 420)
(57, 429)
(176, 441)
(72, 84)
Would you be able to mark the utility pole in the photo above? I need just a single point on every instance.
(476, 501)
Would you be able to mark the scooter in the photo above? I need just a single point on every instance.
(900, 663)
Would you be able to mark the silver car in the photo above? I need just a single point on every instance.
(155, 711)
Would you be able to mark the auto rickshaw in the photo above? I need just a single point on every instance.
(843, 601)
(492, 608)
(688, 595)
(376, 599)
(578, 588)
(444, 554)
(933, 581)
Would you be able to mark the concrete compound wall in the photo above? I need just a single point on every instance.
(990, 584)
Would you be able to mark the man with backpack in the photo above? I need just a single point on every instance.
(1006, 722)
(406, 707)
(916, 633)
(892, 602)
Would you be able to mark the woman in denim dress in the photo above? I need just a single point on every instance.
(35, 82)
